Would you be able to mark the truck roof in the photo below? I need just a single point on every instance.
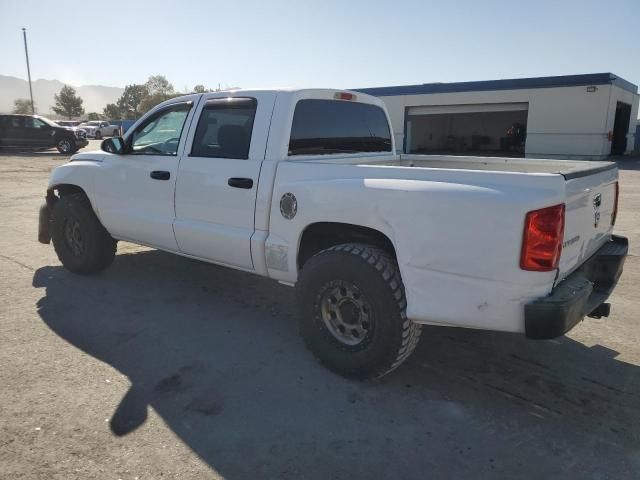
(320, 93)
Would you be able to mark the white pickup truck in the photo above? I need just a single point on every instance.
(304, 187)
(98, 129)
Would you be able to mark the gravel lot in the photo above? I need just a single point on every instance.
(163, 367)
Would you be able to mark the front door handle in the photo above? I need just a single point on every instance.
(240, 182)
(160, 175)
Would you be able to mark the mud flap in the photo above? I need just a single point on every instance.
(44, 224)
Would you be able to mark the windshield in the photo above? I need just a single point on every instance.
(51, 123)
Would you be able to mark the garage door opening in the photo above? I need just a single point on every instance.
(620, 128)
(488, 129)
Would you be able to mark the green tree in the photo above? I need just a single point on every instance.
(68, 103)
(158, 84)
(111, 111)
(129, 102)
(22, 106)
(152, 100)
(93, 116)
(159, 90)
(200, 89)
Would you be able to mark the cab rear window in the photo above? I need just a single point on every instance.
(323, 127)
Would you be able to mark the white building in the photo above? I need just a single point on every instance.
(575, 116)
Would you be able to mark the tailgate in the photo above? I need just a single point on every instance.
(590, 203)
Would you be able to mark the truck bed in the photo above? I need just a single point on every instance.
(567, 168)
(589, 194)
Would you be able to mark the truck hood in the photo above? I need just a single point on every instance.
(93, 156)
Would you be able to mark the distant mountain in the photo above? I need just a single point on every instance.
(95, 96)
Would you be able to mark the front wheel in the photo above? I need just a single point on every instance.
(82, 244)
(66, 146)
(353, 311)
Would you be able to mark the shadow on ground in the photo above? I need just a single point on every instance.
(26, 152)
(216, 353)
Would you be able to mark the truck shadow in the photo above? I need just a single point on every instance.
(216, 354)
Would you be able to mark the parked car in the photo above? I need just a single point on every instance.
(98, 129)
(123, 125)
(38, 132)
(304, 187)
(68, 123)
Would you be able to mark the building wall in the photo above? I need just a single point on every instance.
(563, 122)
(624, 96)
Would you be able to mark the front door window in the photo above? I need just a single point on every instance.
(160, 134)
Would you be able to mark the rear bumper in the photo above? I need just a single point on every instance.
(579, 294)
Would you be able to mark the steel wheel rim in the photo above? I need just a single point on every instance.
(73, 236)
(346, 313)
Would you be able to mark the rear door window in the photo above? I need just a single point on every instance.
(224, 128)
(322, 127)
(17, 122)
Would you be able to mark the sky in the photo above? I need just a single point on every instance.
(341, 44)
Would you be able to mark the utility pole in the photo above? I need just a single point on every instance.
(26, 54)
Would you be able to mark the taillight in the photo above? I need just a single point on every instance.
(614, 214)
(542, 239)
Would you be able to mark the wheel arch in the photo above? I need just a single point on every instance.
(63, 189)
(67, 189)
(318, 236)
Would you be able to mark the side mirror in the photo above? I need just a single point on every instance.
(113, 145)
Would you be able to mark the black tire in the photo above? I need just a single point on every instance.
(115, 133)
(66, 146)
(98, 135)
(79, 239)
(361, 276)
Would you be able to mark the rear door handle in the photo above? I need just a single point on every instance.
(240, 182)
(160, 175)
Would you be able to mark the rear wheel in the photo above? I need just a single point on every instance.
(352, 311)
(79, 239)
(66, 146)
(98, 135)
